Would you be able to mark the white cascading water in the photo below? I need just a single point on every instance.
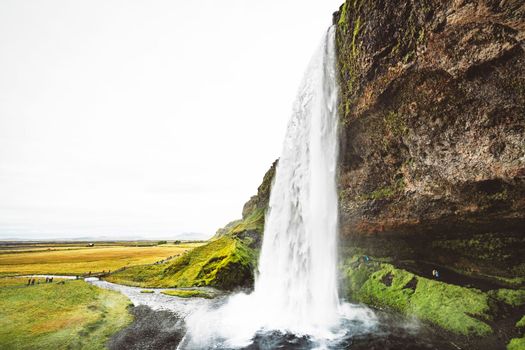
(297, 281)
(296, 285)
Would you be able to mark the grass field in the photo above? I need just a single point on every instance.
(76, 259)
(13, 247)
(72, 315)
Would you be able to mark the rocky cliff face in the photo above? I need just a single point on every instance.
(432, 147)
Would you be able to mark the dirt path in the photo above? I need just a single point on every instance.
(424, 269)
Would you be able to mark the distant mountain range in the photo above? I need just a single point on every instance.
(186, 236)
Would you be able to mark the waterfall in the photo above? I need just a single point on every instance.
(297, 281)
(296, 284)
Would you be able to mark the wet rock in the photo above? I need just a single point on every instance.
(433, 131)
(155, 330)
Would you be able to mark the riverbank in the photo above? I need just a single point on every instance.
(59, 315)
(156, 312)
(160, 330)
(156, 320)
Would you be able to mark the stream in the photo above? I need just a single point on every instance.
(157, 301)
(386, 331)
(161, 323)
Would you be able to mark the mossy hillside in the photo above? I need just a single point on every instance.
(187, 293)
(250, 230)
(262, 198)
(253, 213)
(225, 263)
(224, 230)
(253, 222)
(251, 226)
(457, 309)
(68, 315)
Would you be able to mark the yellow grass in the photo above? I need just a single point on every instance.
(85, 259)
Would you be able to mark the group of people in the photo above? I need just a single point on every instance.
(31, 281)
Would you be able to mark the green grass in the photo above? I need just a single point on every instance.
(147, 291)
(457, 309)
(512, 297)
(224, 263)
(187, 293)
(73, 315)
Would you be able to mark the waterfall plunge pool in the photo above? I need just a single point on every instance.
(370, 329)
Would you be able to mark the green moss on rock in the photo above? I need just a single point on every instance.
(521, 322)
(384, 192)
(516, 344)
(452, 307)
(225, 263)
(512, 297)
(395, 124)
(253, 222)
(457, 309)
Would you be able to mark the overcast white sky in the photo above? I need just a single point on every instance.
(144, 118)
